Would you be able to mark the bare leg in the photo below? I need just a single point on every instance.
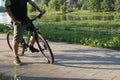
(15, 51)
(15, 48)
(32, 41)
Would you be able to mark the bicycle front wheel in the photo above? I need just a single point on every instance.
(45, 49)
(21, 49)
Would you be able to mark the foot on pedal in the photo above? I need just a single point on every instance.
(32, 49)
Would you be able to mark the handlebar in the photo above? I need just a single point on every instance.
(39, 16)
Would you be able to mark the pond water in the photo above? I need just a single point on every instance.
(56, 18)
(4, 18)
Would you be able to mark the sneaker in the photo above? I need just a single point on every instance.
(32, 49)
(17, 61)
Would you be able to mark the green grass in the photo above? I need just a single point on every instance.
(15, 76)
(95, 33)
(2, 77)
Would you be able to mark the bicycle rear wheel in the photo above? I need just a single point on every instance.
(21, 49)
(45, 49)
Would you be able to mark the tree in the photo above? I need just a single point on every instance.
(42, 1)
(94, 5)
(45, 2)
(79, 4)
(117, 5)
(85, 4)
(108, 5)
(30, 8)
(63, 8)
(54, 5)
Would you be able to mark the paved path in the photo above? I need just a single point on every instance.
(72, 62)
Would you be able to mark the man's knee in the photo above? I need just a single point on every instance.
(15, 42)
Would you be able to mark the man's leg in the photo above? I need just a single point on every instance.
(32, 41)
(18, 34)
(15, 48)
(15, 52)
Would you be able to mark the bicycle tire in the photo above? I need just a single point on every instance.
(8, 38)
(45, 49)
(21, 49)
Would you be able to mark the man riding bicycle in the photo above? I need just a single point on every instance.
(17, 11)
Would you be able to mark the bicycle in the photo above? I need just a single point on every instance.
(42, 43)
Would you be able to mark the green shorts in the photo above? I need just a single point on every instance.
(18, 32)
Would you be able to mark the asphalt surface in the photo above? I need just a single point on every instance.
(72, 62)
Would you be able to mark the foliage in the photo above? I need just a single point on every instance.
(92, 32)
(79, 4)
(92, 5)
(42, 6)
(3, 28)
(43, 1)
(117, 5)
(95, 5)
(108, 5)
(63, 8)
(30, 8)
(54, 5)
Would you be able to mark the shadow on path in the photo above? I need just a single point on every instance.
(49, 78)
(89, 58)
